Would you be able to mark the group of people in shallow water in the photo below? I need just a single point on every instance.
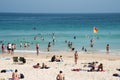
(10, 48)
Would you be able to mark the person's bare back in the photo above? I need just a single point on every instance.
(60, 76)
(15, 76)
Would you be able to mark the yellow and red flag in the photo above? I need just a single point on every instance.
(95, 30)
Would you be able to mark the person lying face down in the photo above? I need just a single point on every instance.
(36, 66)
(92, 65)
(100, 67)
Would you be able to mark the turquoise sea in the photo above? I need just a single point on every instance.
(23, 27)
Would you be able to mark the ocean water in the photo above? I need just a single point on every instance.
(23, 27)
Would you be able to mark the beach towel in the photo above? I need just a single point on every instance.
(96, 71)
(13, 79)
(9, 70)
(76, 69)
(6, 70)
(5, 58)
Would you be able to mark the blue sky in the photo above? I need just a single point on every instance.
(60, 6)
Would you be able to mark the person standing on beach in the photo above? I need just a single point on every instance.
(37, 48)
(49, 45)
(21, 44)
(3, 48)
(9, 48)
(107, 48)
(75, 57)
(13, 48)
(60, 76)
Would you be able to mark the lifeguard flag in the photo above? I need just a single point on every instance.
(95, 30)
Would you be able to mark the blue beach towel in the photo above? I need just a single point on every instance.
(5, 58)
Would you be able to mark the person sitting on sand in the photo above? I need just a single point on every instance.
(61, 59)
(36, 66)
(56, 59)
(100, 67)
(60, 76)
(15, 75)
(53, 58)
(44, 66)
(92, 67)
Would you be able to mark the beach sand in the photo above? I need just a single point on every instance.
(110, 63)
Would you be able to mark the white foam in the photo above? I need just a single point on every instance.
(32, 51)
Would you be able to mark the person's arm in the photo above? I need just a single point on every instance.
(13, 75)
(57, 77)
(18, 76)
(63, 78)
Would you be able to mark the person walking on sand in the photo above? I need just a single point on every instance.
(60, 76)
(76, 57)
(107, 48)
(37, 48)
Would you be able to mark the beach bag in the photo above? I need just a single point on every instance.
(3, 71)
(21, 76)
(115, 74)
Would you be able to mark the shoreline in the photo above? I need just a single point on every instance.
(112, 52)
(88, 55)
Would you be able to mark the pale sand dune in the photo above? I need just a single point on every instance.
(110, 63)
